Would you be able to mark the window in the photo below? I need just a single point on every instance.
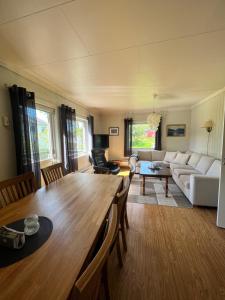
(82, 136)
(142, 137)
(45, 133)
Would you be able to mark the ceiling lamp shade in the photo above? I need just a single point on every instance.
(153, 120)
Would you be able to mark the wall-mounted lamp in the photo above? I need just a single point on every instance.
(208, 125)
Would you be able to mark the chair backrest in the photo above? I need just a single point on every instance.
(52, 173)
(121, 198)
(88, 284)
(98, 156)
(16, 188)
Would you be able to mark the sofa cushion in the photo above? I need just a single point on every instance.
(180, 166)
(179, 172)
(189, 152)
(215, 169)
(185, 180)
(181, 158)
(170, 156)
(194, 159)
(158, 155)
(204, 164)
(145, 155)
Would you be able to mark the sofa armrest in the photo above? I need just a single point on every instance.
(204, 190)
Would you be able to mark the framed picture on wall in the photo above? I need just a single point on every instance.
(176, 130)
(113, 130)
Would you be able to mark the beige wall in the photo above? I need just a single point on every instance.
(170, 117)
(43, 96)
(176, 117)
(212, 109)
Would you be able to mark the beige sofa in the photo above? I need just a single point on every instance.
(196, 175)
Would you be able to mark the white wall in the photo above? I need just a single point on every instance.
(43, 96)
(211, 109)
(116, 143)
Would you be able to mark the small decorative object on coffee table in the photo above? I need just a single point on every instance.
(148, 170)
(155, 166)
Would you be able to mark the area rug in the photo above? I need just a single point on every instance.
(155, 193)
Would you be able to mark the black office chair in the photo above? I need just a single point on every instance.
(101, 165)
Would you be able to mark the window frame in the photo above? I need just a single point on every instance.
(51, 112)
(86, 152)
(137, 149)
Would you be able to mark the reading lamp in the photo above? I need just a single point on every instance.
(208, 125)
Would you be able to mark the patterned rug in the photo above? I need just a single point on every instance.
(155, 193)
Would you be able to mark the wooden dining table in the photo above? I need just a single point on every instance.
(77, 204)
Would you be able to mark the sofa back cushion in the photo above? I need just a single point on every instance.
(204, 164)
(215, 169)
(181, 158)
(158, 155)
(170, 156)
(194, 159)
(145, 155)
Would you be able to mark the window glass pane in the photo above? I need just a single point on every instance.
(81, 134)
(142, 137)
(44, 135)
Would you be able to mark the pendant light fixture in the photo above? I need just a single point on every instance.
(154, 118)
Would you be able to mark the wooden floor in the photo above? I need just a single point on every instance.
(173, 253)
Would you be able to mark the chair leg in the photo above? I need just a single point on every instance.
(122, 229)
(105, 281)
(119, 251)
(126, 219)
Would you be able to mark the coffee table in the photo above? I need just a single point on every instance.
(145, 171)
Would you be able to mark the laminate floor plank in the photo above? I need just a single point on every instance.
(173, 253)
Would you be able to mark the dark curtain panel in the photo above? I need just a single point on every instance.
(67, 117)
(128, 123)
(25, 131)
(158, 137)
(91, 134)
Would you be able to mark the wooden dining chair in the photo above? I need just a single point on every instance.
(131, 175)
(88, 285)
(16, 188)
(52, 173)
(132, 172)
(120, 200)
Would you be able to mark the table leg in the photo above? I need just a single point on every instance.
(143, 185)
(166, 186)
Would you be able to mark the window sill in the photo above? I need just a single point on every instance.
(137, 149)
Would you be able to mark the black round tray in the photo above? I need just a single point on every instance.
(9, 256)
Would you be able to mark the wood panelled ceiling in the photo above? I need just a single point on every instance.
(114, 55)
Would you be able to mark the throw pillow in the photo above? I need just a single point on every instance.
(170, 156)
(204, 164)
(194, 159)
(181, 158)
